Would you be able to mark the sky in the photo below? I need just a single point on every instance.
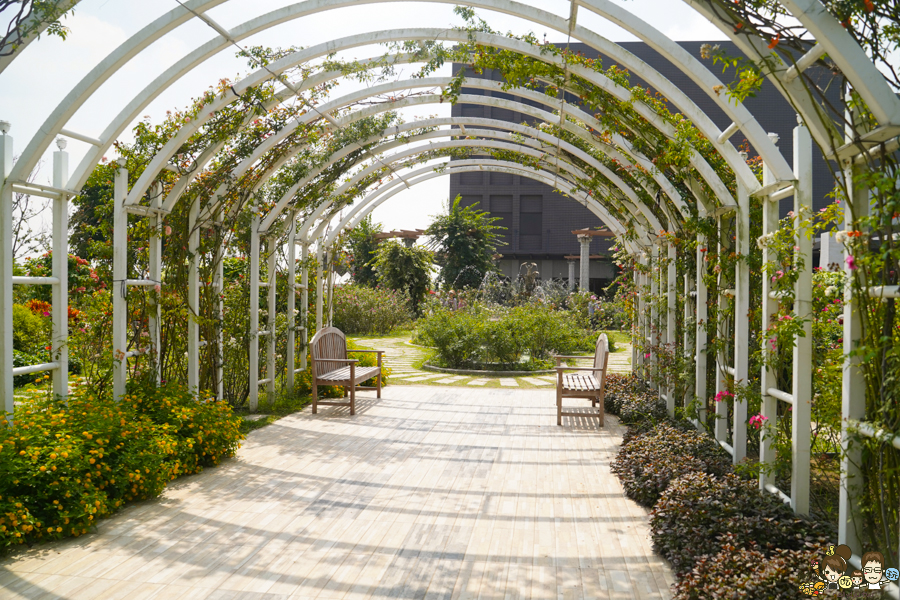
(49, 68)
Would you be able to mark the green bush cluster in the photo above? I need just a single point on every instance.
(475, 336)
(66, 464)
(364, 310)
(648, 462)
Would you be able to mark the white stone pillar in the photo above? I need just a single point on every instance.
(253, 276)
(6, 269)
(60, 291)
(120, 274)
(571, 275)
(290, 350)
(802, 372)
(584, 282)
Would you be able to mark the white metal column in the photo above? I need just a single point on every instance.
(687, 338)
(671, 314)
(270, 346)
(6, 269)
(320, 274)
(655, 274)
(290, 349)
(802, 372)
(219, 283)
(330, 255)
(741, 323)
(253, 276)
(193, 325)
(701, 356)
(154, 249)
(304, 303)
(769, 408)
(120, 287)
(60, 290)
(721, 426)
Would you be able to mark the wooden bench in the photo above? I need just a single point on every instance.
(589, 382)
(330, 366)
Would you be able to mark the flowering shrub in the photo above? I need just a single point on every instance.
(64, 465)
(648, 462)
(364, 310)
(82, 278)
(697, 510)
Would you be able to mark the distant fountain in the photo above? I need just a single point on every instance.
(526, 287)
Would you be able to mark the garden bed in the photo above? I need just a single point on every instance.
(436, 369)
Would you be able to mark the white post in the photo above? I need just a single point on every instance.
(769, 408)
(571, 275)
(853, 403)
(6, 270)
(220, 321)
(290, 350)
(253, 275)
(320, 288)
(700, 333)
(270, 346)
(155, 257)
(637, 326)
(721, 427)
(585, 282)
(119, 289)
(304, 303)
(802, 374)
(741, 323)
(654, 316)
(330, 255)
(687, 338)
(671, 308)
(193, 325)
(60, 291)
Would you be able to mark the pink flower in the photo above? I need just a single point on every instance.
(156, 287)
(758, 420)
(647, 355)
(723, 394)
(851, 262)
(46, 313)
(168, 230)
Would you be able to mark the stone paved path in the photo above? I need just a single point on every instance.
(426, 493)
(402, 358)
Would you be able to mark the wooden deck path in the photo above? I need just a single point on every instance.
(452, 493)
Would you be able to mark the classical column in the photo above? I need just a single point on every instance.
(571, 275)
(585, 281)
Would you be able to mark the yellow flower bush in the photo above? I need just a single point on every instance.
(64, 465)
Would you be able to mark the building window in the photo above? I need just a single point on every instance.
(501, 207)
(531, 218)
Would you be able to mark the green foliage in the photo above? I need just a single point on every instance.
(648, 462)
(364, 310)
(697, 510)
(465, 241)
(360, 246)
(30, 331)
(475, 335)
(404, 269)
(66, 464)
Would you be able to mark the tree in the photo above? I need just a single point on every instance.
(361, 246)
(406, 269)
(465, 240)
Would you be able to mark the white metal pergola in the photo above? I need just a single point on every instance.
(624, 210)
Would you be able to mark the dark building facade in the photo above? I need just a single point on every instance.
(540, 221)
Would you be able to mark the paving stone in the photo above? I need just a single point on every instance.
(506, 382)
(478, 382)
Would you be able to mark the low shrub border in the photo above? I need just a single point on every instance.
(64, 465)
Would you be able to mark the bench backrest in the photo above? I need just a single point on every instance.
(329, 342)
(601, 354)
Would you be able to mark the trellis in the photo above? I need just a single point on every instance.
(623, 210)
